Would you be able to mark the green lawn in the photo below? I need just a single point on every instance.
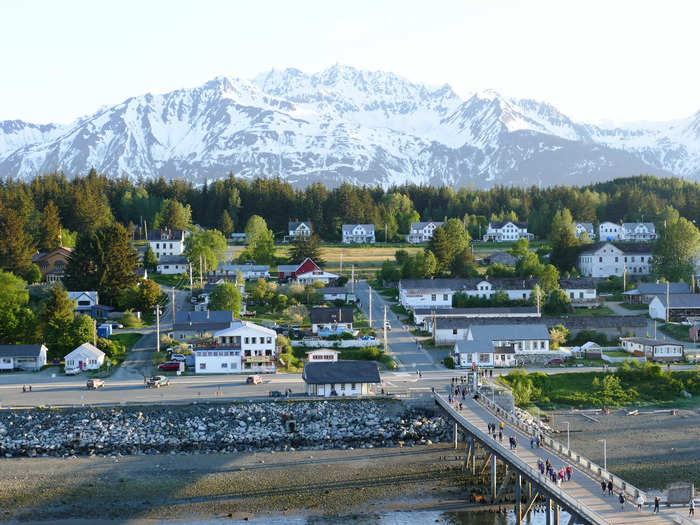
(128, 339)
(371, 353)
(644, 307)
(590, 312)
(180, 282)
(677, 331)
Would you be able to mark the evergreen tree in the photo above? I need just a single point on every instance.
(303, 247)
(56, 320)
(174, 216)
(210, 245)
(50, 228)
(225, 224)
(16, 246)
(557, 303)
(520, 247)
(563, 240)
(463, 265)
(150, 262)
(33, 274)
(17, 322)
(441, 248)
(102, 260)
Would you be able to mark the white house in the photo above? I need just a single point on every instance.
(85, 357)
(644, 293)
(85, 302)
(609, 231)
(639, 231)
(172, 264)
(580, 290)
(341, 378)
(167, 242)
(507, 231)
(681, 307)
(314, 276)
(422, 231)
(243, 347)
(438, 293)
(358, 233)
(450, 330)
(605, 259)
(250, 272)
(324, 355)
(653, 349)
(586, 227)
(338, 293)
(333, 320)
(300, 229)
(500, 345)
(22, 357)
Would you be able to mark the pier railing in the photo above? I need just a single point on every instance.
(583, 463)
(570, 502)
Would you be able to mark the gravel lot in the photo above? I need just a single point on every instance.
(649, 450)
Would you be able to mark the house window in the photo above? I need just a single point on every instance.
(224, 365)
(433, 297)
(454, 331)
(269, 340)
(202, 366)
(247, 340)
(253, 340)
(353, 386)
(600, 259)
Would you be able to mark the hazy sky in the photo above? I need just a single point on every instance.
(619, 60)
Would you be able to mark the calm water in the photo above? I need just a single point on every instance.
(396, 518)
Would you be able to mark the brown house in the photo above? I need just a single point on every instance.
(52, 264)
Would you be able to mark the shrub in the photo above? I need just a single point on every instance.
(449, 362)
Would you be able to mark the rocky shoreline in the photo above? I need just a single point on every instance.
(202, 428)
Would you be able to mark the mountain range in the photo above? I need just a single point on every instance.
(344, 124)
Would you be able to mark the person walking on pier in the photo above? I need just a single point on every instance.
(691, 508)
(603, 486)
(640, 502)
(569, 472)
(610, 488)
(656, 504)
(621, 499)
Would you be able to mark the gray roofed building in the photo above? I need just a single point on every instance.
(339, 372)
(506, 331)
(681, 300)
(625, 247)
(585, 227)
(492, 311)
(189, 324)
(21, 350)
(504, 258)
(172, 259)
(166, 235)
(22, 357)
(321, 315)
(660, 288)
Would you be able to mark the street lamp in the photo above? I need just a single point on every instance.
(605, 453)
(567, 434)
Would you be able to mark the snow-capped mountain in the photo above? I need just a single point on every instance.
(344, 124)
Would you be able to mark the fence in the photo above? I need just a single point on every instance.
(344, 343)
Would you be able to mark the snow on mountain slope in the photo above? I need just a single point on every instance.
(344, 124)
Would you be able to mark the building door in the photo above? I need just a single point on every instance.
(321, 390)
(81, 364)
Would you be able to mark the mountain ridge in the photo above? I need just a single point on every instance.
(344, 124)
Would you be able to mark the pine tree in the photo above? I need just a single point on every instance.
(56, 319)
(441, 248)
(174, 215)
(225, 224)
(150, 262)
(16, 246)
(50, 228)
(563, 240)
(303, 247)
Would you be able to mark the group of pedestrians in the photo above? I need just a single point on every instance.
(26, 388)
(556, 476)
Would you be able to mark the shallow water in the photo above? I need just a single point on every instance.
(395, 518)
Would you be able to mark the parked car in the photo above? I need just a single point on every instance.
(556, 361)
(73, 371)
(276, 393)
(157, 381)
(170, 366)
(94, 384)
(253, 380)
(367, 338)
(178, 357)
(116, 325)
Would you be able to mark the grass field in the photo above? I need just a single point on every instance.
(128, 339)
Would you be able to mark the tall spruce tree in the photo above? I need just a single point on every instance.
(16, 246)
(150, 261)
(303, 247)
(563, 240)
(56, 320)
(225, 224)
(442, 249)
(50, 228)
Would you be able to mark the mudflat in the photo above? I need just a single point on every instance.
(200, 486)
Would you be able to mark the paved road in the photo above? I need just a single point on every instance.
(403, 346)
(582, 487)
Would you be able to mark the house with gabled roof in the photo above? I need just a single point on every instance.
(606, 259)
(507, 231)
(22, 357)
(52, 265)
(299, 229)
(341, 378)
(422, 231)
(358, 233)
(308, 272)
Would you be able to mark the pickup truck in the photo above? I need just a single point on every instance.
(94, 384)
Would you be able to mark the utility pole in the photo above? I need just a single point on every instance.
(654, 328)
(157, 328)
(385, 343)
(538, 300)
(341, 262)
(172, 305)
(370, 307)
(386, 233)
(668, 294)
(94, 333)
(434, 329)
(624, 278)
(191, 284)
(201, 283)
(145, 230)
(353, 278)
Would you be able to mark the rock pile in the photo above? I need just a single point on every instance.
(215, 428)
